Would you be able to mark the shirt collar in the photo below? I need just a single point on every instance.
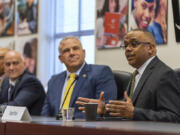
(143, 67)
(12, 82)
(77, 72)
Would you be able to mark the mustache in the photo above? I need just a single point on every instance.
(129, 54)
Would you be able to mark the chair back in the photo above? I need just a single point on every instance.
(122, 79)
(177, 70)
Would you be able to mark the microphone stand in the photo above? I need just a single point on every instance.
(59, 115)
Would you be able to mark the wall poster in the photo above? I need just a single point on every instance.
(150, 15)
(111, 22)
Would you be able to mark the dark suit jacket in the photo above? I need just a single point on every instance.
(157, 95)
(92, 80)
(28, 92)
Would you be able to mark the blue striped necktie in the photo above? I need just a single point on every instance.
(10, 91)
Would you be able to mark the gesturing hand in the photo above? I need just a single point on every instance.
(101, 104)
(121, 108)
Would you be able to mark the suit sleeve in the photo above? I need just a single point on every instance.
(29, 93)
(106, 83)
(46, 107)
(167, 101)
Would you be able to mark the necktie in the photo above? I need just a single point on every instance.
(132, 83)
(10, 91)
(68, 91)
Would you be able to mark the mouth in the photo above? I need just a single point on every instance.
(130, 57)
(73, 59)
(144, 24)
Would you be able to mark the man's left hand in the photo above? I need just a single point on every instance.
(123, 109)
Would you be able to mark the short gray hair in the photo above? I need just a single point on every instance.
(66, 38)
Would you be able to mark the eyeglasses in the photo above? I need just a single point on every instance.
(134, 44)
(14, 63)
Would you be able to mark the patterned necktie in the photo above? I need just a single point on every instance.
(132, 83)
(10, 91)
(68, 91)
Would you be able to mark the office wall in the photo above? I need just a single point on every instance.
(113, 57)
(21, 34)
(169, 53)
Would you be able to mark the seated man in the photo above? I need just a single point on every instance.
(20, 88)
(153, 94)
(90, 80)
(3, 51)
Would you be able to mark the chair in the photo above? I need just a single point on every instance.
(177, 70)
(122, 79)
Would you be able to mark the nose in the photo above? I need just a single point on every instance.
(11, 66)
(128, 48)
(147, 13)
(71, 51)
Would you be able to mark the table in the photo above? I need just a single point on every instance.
(50, 126)
(2, 128)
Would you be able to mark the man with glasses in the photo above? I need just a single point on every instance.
(20, 88)
(155, 91)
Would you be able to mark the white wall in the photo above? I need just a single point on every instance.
(169, 53)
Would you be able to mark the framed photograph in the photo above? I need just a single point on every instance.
(150, 15)
(7, 18)
(111, 22)
(176, 14)
(29, 50)
(27, 17)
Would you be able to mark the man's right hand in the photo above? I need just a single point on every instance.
(101, 104)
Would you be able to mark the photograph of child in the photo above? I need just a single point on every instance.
(28, 49)
(6, 18)
(27, 14)
(150, 15)
(111, 22)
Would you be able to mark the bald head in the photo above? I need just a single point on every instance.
(13, 64)
(13, 53)
(3, 51)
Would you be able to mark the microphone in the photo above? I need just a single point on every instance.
(59, 115)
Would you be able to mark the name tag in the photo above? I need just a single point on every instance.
(16, 113)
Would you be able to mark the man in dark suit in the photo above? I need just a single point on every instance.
(155, 91)
(90, 80)
(20, 88)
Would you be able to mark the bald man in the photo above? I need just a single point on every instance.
(3, 51)
(20, 88)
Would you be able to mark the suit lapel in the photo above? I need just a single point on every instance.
(140, 84)
(79, 83)
(58, 95)
(17, 86)
(5, 89)
(147, 72)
